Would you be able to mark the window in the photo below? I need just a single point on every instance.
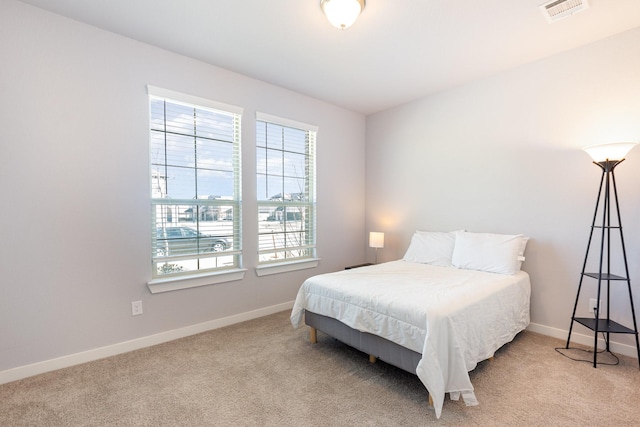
(195, 185)
(285, 158)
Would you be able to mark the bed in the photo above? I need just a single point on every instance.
(451, 302)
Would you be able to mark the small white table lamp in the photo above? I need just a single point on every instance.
(376, 240)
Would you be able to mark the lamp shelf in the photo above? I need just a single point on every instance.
(604, 325)
(604, 276)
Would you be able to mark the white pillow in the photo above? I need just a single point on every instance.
(431, 247)
(495, 253)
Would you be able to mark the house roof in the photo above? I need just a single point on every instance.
(396, 52)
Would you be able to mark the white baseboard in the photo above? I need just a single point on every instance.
(136, 344)
(624, 349)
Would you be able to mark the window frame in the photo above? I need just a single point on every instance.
(309, 204)
(200, 276)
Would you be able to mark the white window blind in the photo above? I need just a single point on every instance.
(195, 185)
(285, 158)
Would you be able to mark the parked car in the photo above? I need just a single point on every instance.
(186, 240)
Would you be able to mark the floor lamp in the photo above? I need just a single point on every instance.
(376, 240)
(607, 157)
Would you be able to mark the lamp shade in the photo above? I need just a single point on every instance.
(615, 151)
(342, 13)
(376, 239)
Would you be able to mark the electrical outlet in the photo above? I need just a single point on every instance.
(136, 308)
(593, 303)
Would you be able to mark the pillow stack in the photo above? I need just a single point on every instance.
(494, 253)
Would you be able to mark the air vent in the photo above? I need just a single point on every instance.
(559, 9)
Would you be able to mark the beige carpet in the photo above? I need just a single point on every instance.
(264, 373)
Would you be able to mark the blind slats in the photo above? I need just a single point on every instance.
(285, 176)
(195, 186)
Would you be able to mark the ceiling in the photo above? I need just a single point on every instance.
(397, 51)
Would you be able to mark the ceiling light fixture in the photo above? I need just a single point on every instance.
(342, 13)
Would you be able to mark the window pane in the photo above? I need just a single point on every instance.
(261, 134)
(214, 125)
(215, 184)
(157, 114)
(181, 183)
(261, 187)
(158, 148)
(180, 150)
(295, 140)
(179, 119)
(274, 163)
(294, 165)
(294, 189)
(275, 189)
(214, 155)
(274, 136)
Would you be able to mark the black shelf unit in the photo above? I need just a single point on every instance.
(602, 323)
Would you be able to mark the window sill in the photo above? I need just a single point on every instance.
(194, 280)
(267, 269)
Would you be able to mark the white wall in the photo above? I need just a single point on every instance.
(75, 244)
(504, 155)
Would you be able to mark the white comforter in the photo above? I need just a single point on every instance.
(455, 318)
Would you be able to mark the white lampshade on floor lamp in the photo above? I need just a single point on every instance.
(613, 153)
(376, 240)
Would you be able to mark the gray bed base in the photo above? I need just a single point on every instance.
(373, 345)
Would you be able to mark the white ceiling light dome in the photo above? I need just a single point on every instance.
(342, 13)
